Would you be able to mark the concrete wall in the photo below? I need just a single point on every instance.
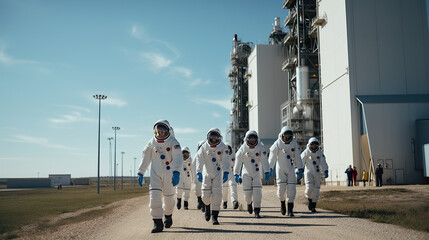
(28, 183)
(335, 89)
(60, 179)
(268, 89)
(372, 47)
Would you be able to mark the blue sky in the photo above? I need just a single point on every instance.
(153, 60)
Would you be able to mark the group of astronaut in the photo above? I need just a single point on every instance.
(215, 169)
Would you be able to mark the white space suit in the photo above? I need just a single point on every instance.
(165, 157)
(253, 157)
(230, 185)
(197, 184)
(315, 164)
(285, 153)
(213, 164)
(184, 187)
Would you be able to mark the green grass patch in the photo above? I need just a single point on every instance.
(401, 207)
(20, 208)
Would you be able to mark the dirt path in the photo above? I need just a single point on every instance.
(132, 220)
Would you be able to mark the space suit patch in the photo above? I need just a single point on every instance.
(177, 147)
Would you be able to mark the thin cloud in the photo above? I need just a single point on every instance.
(115, 102)
(156, 59)
(139, 33)
(216, 115)
(11, 159)
(182, 70)
(39, 141)
(127, 135)
(197, 82)
(78, 108)
(71, 118)
(185, 130)
(10, 60)
(226, 104)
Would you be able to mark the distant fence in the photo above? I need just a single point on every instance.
(28, 183)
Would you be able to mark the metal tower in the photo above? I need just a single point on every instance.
(302, 110)
(237, 77)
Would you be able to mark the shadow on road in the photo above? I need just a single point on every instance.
(297, 215)
(279, 224)
(210, 230)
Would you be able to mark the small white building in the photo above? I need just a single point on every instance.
(60, 179)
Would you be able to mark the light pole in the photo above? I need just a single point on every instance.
(122, 171)
(114, 170)
(99, 97)
(134, 182)
(110, 155)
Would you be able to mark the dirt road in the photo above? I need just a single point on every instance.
(132, 220)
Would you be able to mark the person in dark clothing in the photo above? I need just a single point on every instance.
(349, 172)
(379, 175)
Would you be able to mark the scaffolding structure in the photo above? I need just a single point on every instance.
(238, 79)
(302, 110)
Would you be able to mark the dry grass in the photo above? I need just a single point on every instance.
(403, 207)
(22, 208)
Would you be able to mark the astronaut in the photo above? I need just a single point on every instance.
(253, 156)
(165, 154)
(315, 163)
(230, 184)
(184, 187)
(285, 154)
(212, 170)
(197, 184)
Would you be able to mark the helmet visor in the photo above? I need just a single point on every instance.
(161, 131)
(213, 138)
(287, 136)
(185, 155)
(314, 146)
(252, 140)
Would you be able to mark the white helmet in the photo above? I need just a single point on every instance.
(186, 153)
(162, 129)
(214, 137)
(286, 134)
(251, 138)
(313, 144)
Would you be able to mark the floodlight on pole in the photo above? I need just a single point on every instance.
(110, 155)
(134, 170)
(122, 171)
(99, 97)
(114, 170)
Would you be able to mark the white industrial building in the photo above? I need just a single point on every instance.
(354, 73)
(374, 58)
(268, 89)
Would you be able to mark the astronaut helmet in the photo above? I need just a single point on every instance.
(185, 153)
(161, 129)
(251, 138)
(229, 148)
(214, 137)
(286, 134)
(313, 144)
(200, 143)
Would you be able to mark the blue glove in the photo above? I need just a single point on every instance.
(200, 177)
(326, 174)
(237, 178)
(271, 172)
(176, 178)
(267, 176)
(225, 176)
(299, 173)
(140, 179)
